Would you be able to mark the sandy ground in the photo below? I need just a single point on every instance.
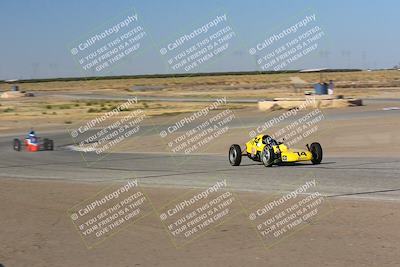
(36, 231)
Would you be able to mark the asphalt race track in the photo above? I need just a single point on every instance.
(377, 178)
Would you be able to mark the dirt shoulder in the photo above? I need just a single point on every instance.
(37, 231)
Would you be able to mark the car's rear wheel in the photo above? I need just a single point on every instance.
(316, 150)
(17, 144)
(235, 155)
(267, 157)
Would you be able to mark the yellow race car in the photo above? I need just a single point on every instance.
(269, 151)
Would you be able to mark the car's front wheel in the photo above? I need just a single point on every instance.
(48, 144)
(316, 150)
(267, 157)
(235, 155)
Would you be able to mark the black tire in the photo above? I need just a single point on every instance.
(316, 150)
(17, 144)
(235, 155)
(45, 144)
(267, 157)
(48, 144)
(51, 145)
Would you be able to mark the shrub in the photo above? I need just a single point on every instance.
(64, 107)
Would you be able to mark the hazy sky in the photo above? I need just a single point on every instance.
(37, 36)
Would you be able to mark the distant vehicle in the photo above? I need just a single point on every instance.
(269, 151)
(32, 143)
(28, 94)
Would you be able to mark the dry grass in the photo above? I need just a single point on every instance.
(258, 86)
(35, 111)
(57, 110)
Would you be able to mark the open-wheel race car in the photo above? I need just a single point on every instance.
(269, 151)
(32, 143)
